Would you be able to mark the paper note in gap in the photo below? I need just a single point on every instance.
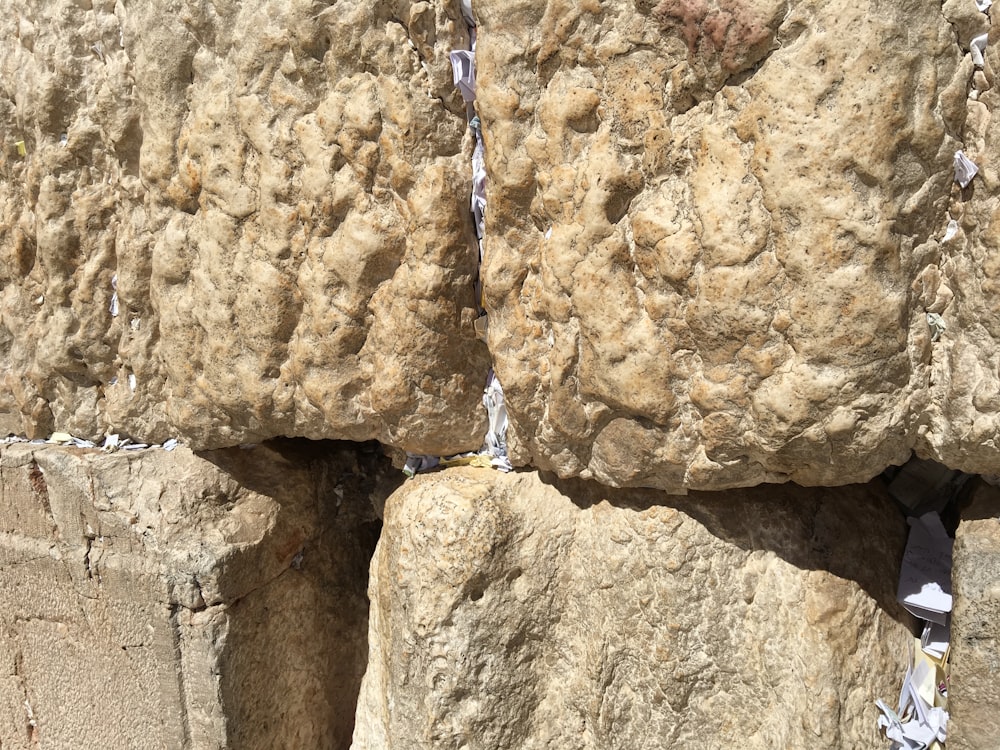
(925, 575)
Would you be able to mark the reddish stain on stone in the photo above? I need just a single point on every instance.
(730, 29)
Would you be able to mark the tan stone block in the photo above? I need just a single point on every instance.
(974, 687)
(521, 611)
(800, 175)
(168, 599)
(283, 197)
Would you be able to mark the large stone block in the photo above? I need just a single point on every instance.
(171, 600)
(974, 688)
(522, 612)
(713, 239)
(714, 232)
(282, 192)
(960, 425)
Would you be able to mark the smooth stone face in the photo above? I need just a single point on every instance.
(974, 685)
(520, 611)
(161, 599)
(282, 192)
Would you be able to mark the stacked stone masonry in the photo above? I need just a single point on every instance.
(715, 231)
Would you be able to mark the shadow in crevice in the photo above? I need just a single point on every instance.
(855, 532)
(296, 647)
(980, 503)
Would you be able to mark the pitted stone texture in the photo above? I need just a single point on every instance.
(961, 423)
(974, 687)
(282, 190)
(171, 600)
(516, 611)
(740, 195)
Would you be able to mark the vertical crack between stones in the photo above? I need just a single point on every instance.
(175, 636)
(493, 452)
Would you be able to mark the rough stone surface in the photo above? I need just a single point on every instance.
(961, 426)
(974, 688)
(281, 189)
(745, 199)
(507, 615)
(160, 600)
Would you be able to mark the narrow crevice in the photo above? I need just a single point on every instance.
(493, 453)
(313, 609)
(175, 638)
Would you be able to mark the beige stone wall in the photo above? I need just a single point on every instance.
(719, 226)
(517, 611)
(161, 599)
(714, 231)
(974, 686)
(280, 189)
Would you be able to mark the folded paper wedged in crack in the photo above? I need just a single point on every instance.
(925, 576)
(464, 72)
(965, 168)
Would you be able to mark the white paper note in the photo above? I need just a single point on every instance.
(965, 169)
(418, 463)
(471, 19)
(925, 575)
(479, 186)
(496, 411)
(113, 307)
(934, 639)
(937, 325)
(976, 48)
(463, 67)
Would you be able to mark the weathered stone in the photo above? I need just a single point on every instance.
(740, 195)
(961, 423)
(282, 191)
(518, 611)
(715, 230)
(173, 600)
(974, 687)
(746, 201)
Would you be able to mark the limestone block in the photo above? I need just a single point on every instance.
(714, 231)
(172, 600)
(281, 190)
(705, 223)
(974, 688)
(518, 611)
(961, 425)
